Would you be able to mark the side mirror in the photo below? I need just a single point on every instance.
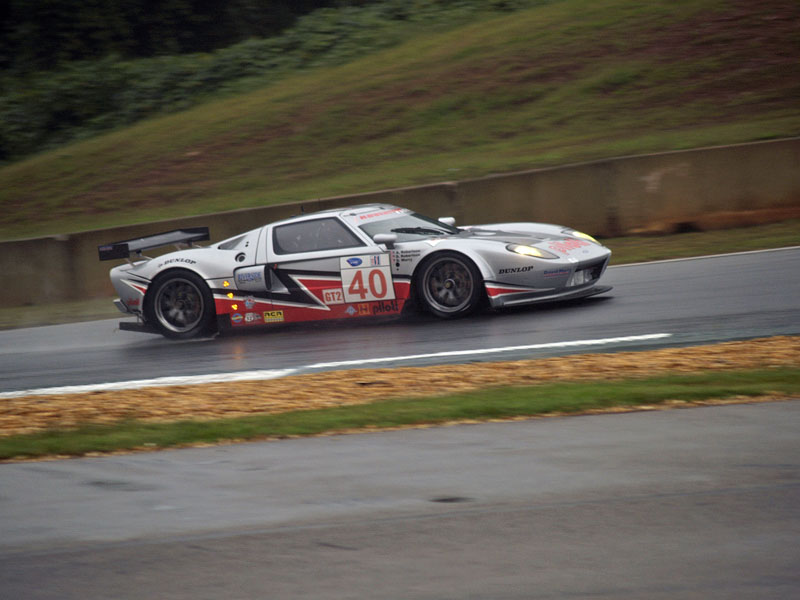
(385, 238)
(448, 221)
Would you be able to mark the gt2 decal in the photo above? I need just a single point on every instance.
(333, 296)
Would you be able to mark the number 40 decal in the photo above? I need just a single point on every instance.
(367, 284)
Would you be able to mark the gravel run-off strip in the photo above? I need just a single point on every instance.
(30, 414)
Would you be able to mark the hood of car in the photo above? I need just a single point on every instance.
(553, 242)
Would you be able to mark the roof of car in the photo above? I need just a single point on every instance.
(342, 211)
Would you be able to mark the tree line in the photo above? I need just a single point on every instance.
(70, 69)
(42, 34)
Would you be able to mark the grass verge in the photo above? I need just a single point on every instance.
(482, 405)
(643, 248)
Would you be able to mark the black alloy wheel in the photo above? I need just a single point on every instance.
(180, 305)
(449, 285)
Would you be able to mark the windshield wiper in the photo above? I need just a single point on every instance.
(420, 231)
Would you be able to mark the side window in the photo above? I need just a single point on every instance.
(310, 236)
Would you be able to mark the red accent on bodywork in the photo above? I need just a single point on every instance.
(296, 314)
(495, 291)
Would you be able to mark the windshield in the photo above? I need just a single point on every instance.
(409, 226)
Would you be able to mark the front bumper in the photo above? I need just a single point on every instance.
(536, 298)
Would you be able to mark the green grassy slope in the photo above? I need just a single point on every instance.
(567, 81)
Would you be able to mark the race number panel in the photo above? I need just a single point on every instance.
(367, 278)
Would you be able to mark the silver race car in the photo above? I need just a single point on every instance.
(347, 263)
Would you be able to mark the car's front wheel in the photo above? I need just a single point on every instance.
(180, 305)
(449, 285)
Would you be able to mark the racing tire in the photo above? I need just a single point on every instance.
(180, 305)
(449, 285)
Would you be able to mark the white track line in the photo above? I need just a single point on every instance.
(263, 375)
(459, 353)
(686, 258)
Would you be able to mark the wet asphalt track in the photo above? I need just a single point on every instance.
(684, 504)
(701, 503)
(696, 301)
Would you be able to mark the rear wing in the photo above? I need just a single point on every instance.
(125, 248)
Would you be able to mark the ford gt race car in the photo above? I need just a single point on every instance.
(348, 263)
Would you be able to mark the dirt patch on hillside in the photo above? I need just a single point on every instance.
(319, 390)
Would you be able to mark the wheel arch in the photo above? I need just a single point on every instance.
(172, 271)
(483, 267)
(152, 313)
(480, 300)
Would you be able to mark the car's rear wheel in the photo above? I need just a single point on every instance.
(180, 305)
(449, 285)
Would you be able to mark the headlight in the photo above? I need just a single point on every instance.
(584, 236)
(529, 251)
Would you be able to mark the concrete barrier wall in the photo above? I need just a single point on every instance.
(604, 198)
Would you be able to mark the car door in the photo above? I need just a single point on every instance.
(319, 268)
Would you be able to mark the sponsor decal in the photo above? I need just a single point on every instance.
(252, 317)
(363, 309)
(515, 270)
(294, 288)
(273, 316)
(249, 302)
(133, 301)
(365, 261)
(236, 318)
(245, 277)
(381, 213)
(334, 296)
(186, 261)
(556, 272)
(367, 278)
(565, 246)
(405, 256)
(351, 311)
(384, 307)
